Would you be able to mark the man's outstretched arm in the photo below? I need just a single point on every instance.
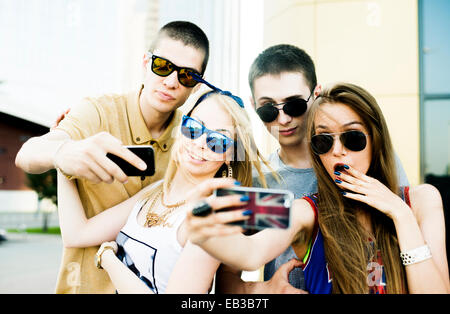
(37, 154)
(83, 159)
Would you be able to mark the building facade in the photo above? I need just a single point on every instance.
(15, 196)
(397, 50)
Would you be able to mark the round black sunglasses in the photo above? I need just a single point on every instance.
(293, 107)
(353, 140)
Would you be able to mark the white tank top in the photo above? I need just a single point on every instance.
(151, 253)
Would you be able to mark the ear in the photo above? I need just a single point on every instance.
(196, 88)
(252, 101)
(317, 90)
(145, 61)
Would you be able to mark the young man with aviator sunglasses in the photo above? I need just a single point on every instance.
(78, 145)
(284, 85)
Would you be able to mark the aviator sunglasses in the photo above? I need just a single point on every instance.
(164, 67)
(217, 142)
(353, 140)
(294, 108)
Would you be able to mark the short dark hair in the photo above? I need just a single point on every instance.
(283, 58)
(189, 34)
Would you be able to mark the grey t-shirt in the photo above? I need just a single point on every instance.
(301, 182)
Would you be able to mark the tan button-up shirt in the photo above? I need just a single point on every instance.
(119, 115)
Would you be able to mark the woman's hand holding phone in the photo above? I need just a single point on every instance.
(207, 223)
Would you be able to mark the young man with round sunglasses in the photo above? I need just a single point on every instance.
(284, 85)
(78, 145)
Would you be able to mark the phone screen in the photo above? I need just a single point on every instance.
(271, 208)
(144, 152)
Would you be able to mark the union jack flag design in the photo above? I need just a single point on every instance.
(270, 210)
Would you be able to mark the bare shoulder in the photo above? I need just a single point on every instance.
(303, 214)
(425, 200)
(425, 193)
(151, 186)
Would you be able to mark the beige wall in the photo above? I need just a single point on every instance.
(370, 43)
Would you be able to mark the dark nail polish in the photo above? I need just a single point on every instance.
(245, 198)
(346, 167)
(248, 212)
(337, 181)
(237, 183)
(343, 192)
(337, 173)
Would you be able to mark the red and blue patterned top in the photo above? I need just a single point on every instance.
(318, 279)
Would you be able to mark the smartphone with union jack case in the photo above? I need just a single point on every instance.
(271, 207)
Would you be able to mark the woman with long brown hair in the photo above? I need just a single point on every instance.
(361, 233)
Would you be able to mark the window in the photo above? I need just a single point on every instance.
(434, 32)
(435, 87)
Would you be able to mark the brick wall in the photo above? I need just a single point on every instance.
(13, 133)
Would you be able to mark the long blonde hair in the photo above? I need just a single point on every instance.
(246, 155)
(346, 242)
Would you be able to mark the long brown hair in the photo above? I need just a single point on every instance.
(347, 249)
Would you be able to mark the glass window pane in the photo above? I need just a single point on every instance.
(436, 46)
(437, 137)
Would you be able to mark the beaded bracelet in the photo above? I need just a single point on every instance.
(416, 255)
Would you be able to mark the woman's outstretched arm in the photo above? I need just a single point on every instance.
(79, 231)
(227, 244)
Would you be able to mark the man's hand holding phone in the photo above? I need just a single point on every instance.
(87, 158)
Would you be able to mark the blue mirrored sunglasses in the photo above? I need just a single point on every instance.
(216, 141)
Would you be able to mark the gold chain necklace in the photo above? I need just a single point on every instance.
(154, 219)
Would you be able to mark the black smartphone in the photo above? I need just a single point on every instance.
(271, 207)
(145, 152)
